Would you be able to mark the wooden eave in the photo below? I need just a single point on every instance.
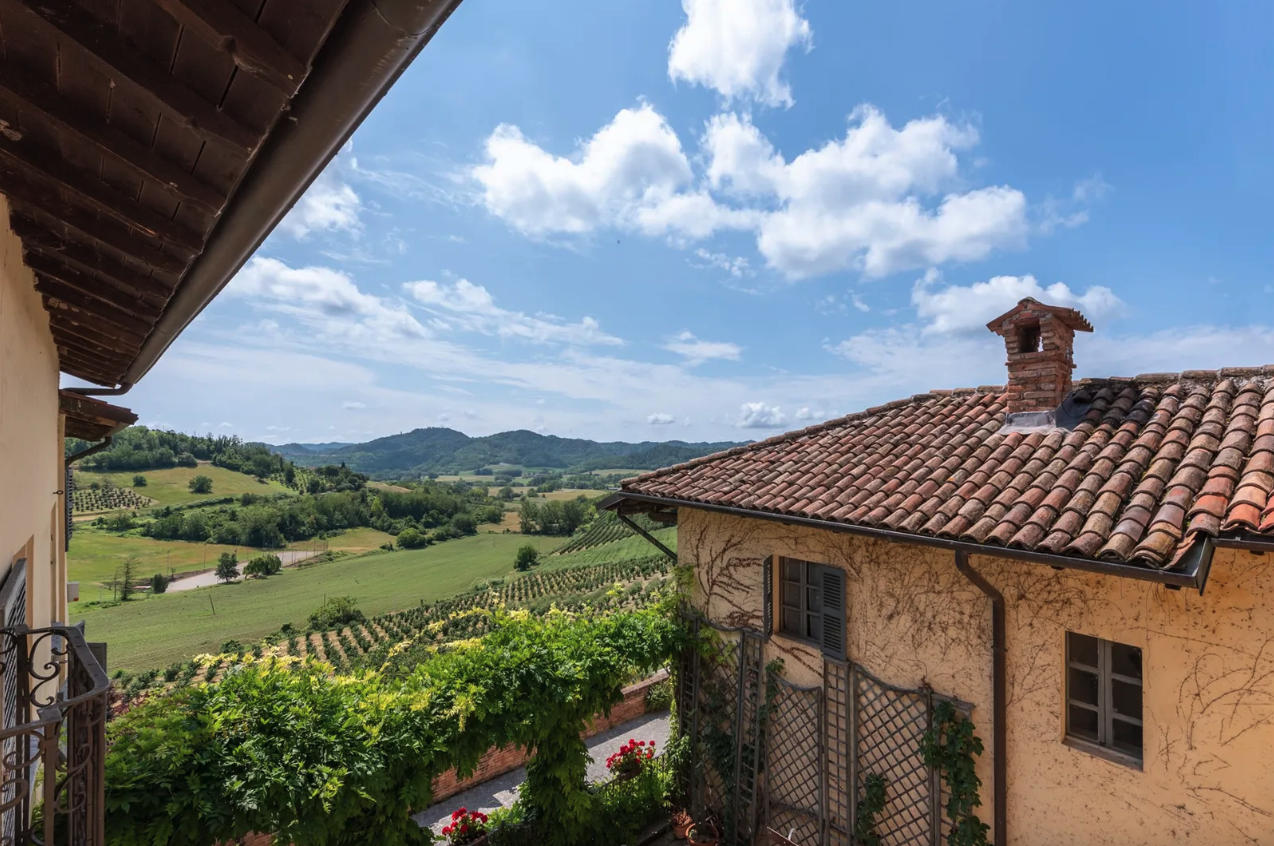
(126, 127)
(92, 419)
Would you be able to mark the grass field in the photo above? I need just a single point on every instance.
(170, 486)
(626, 472)
(95, 555)
(156, 631)
(570, 493)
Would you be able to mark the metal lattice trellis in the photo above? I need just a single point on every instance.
(798, 758)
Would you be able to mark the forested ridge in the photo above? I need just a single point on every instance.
(442, 450)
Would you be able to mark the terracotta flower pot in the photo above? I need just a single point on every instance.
(681, 823)
(703, 834)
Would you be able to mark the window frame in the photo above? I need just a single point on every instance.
(805, 583)
(1103, 746)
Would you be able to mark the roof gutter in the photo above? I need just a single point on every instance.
(370, 48)
(1192, 572)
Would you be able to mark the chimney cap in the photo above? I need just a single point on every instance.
(1032, 307)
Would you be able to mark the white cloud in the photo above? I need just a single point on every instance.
(807, 413)
(635, 162)
(859, 303)
(225, 425)
(968, 308)
(737, 47)
(353, 405)
(758, 415)
(325, 299)
(1091, 190)
(278, 428)
(472, 308)
(736, 266)
(697, 351)
(330, 204)
(880, 200)
(660, 419)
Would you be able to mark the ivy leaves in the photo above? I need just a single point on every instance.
(951, 746)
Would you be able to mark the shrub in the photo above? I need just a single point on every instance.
(336, 611)
(139, 481)
(159, 584)
(284, 747)
(410, 538)
(263, 566)
(200, 485)
(528, 556)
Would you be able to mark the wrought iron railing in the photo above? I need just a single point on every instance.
(53, 739)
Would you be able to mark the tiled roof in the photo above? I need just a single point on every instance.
(1154, 462)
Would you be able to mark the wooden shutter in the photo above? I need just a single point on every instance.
(832, 583)
(767, 596)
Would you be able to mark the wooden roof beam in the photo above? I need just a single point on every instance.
(23, 192)
(240, 37)
(89, 371)
(90, 190)
(37, 240)
(105, 357)
(122, 62)
(124, 300)
(64, 325)
(30, 94)
(93, 308)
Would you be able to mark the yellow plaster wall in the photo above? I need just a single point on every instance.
(1208, 700)
(30, 443)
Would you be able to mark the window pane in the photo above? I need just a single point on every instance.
(1126, 698)
(792, 569)
(1083, 649)
(1082, 686)
(792, 621)
(1127, 738)
(1082, 723)
(792, 594)
(814, 627)
(1125, 660)
(813, 599)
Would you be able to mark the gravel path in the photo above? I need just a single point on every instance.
(502, 791)
(287, 556)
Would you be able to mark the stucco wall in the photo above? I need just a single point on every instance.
(30, 446)
(1208, 699)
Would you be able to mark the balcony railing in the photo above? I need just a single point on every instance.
(53, 739)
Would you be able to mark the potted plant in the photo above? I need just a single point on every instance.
(467, 828)
(628, 761)
(703, 833)
(681, 822)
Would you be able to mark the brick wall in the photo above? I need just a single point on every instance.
(500, 760)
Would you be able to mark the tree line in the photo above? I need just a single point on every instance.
(142, 448)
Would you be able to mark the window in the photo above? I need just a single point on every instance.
(1103, 694)
(812, 604)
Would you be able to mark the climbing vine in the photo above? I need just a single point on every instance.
(872, 803)
(950, 746)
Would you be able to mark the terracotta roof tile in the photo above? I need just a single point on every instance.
(1154, 462)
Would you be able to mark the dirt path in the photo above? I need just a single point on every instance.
(209, 578)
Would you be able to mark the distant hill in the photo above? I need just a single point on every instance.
(441, 450)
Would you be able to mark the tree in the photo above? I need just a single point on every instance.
(158, 583)
(528, 518)
(263, 566)
(464, 524)
(139, 481)
(228, 567)
(335, 611)
(528, 557)
(129, 567)
(410, 538)
(201, 485)
(505, 494)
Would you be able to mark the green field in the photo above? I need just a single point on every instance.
(157, 631)
(170, 486)
(96, 555)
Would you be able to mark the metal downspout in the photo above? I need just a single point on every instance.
(999, 694)
(85, 453)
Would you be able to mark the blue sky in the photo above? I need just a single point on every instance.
(722, 219)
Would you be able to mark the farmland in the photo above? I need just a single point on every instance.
(170, 486)
(603, 587)
(158, 630)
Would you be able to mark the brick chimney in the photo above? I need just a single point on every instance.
(1040, 340)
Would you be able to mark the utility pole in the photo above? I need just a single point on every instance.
(213, 607)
